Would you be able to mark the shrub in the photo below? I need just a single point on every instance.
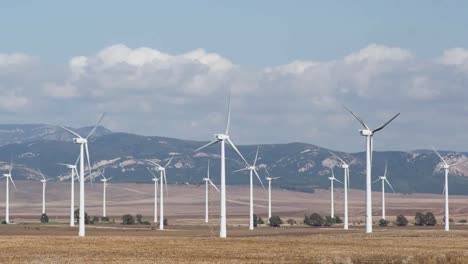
(165, 222)
(462, 221)
(104, 219)
(94, 220)
(314, 220)
(329, 221)
(383, 222)
(145, 223)
(275, 221)
(401, 220)
(255, 220)
(420, 219)
(77, 216)
(338, 220)
(4, 222)
(430, 219)
(260, 221)
(128, 219)
(291, 221)
(139, 218)
(44, 218)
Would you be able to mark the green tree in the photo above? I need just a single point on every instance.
(338, 220)
(44, 218)
(401, 220)
(291, 221)
(165, 222)
(128, 219)
(420, 219)
(255, 220)
(329, 221)
(275, 221)
(260, 221)
(139, 218)
(383, 222)
(430, 219)
(315, 220)
(77, 216)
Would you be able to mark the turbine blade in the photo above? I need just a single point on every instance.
(165, 183)
(256, 156)
(458, 163)
(72, 132)
(438, 154)
(77, 175)
(11, 179)
(268, 173)
(228, 114)
(384, 125)
(11, 167)
(353, 161)
(336, 156)
(214, 186)
(338, 180)
(237, 151)
(95, 127)
(258, 177)
(333, 173)
(169, 162)
(376, 181)
(154, 176)
(208, 170)
(385, 173)
(155, 163)
(391, 187)
(42, 175)
(276, 178)
(358, 119)
(207, 145)
(89, 162)
(244, 169)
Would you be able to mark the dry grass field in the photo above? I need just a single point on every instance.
(188, 240)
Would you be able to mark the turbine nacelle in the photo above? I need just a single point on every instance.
(7, 175)
(80, 140)
(446, 166)
(104, 180)
(221, 136)
(206, 179)
(366, 132)
(155, 179)
(382, 177)
(344, 166)
(43, 181)
(161, 169)
(331, 178)
(268, 178)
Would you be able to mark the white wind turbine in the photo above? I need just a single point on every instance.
(7, 200)
(83, 142)
(104, 188)
(447, 167)
(384, 180)
(222, 138)
(252, 169)
(269, 179)
(156, 180)
(332, 202)
(369, 133)
(72, 191)
(345, 167)
(162, 173)
(208, 181)
(44, 182)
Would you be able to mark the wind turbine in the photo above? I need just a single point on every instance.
(104, 188)
(44, 182)
(222, 138)
(72, 191)
(269, 179)
(162, 173)
(207, 183)
(83, 142)
(384, 180)
(252, 169)
(345, 167)
(155, 179)
(332, 206)
(447, 167)
(369, 134)
(7, 200)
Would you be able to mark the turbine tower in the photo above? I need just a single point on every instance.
(369, 134)
(384, 180)
(447, 167)
(252, 169)
(7, 199)
(223, 138)
(269, 179)
(44, 182)
(104, 188)
(208, 181)
(155, 179)
(83, 142)
(332, 203)
(162, 176)
(72, 191)
(345, 167)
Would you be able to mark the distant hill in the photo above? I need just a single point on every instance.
(301, 166)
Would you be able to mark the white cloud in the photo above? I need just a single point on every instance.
(151, 92)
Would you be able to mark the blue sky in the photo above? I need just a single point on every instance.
(247, 32)
(164, 68)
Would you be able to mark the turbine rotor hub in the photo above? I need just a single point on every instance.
(80, 140)
(366, 132)
(221, 136)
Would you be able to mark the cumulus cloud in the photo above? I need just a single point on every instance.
(148, 91)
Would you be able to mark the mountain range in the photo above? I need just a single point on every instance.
(125, 157)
